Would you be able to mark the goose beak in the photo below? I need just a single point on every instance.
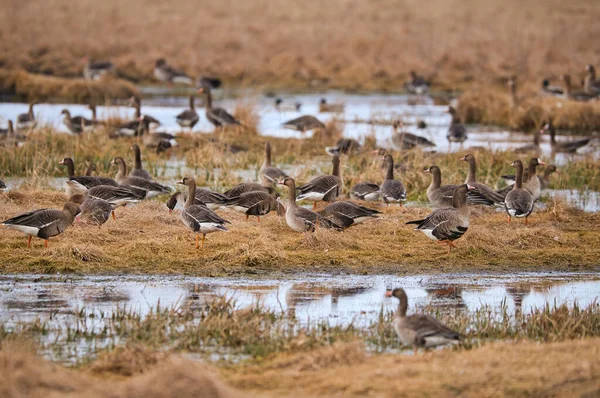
(470, 187)
(541, 162)
(201, 90)
(388, 293)
(513, 164)
(280, 182)
(140, 118)
(464, 158)
(426, 171)
(180, 182)
(61, 162)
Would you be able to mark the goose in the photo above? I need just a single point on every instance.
(534, 147)
(211, 83)
(3, 186)
(447, 224)
(248, 187)
(419, 330)
(326, 107)
(301, 219)
(89, 172)
(344, 146)
(95, 70)
(392, 190)
(367, 191)
(43, 223)
(80, 184)
(548, 89)
(189, 117)
(323, 188)
(441, 195)
(165, 73)
(417, 84)
(138, 169)
(345, 213)
(200, 219)
(531, 182)
(545, 179)
(282, 106)
(115, 196)
(148, 121)
(213, 200)
(486, 193)
(304, 123)
(26, 121)
(8, 136)
(76, 124)
(576, 95)
(93, 211)
(143, 188)
(457, 131)
(519, 201)
(219, 117)
(590, 84)
(158, 140)
(254, 203)
(406, 140)
(563, 147)
(95, 121)
(268, 174)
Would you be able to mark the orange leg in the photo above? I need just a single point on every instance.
(113, 215)
(247, 217)
(258, 217)
(197, 237)
(526, 221)
(203, 239)
(314, 206)
(46, 243)
(508, 219)
(29, 241)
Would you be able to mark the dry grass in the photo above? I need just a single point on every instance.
(307, 44)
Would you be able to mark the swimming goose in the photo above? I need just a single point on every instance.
(531, 182)
(566, 146)
(80, 184)
(346, 214)
(281, 106)
(301, 219)
(417, 84)
(165, 73)
(367, 191)
(138, 169)
(576, 95)
(268, 174)
(95, 70)
(323, 188)
(219, 117)
(419, 330)
(254, 203)
(535, 147)
(325, 107)
(447, 224)
(406, 140)
(392, 190)
(457, 131)
(143, 188)
(304, 124)
(213, 200)
(519, 202)
(344, 146)
(76, 124)
(93, 211)
(199, 218)
(590, 84)
(493, 198)
(248, 187)
(26, 121)
(43, 223)
(189, 117)
(548, 89)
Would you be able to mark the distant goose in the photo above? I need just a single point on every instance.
(43, 223)
(143, 188)
(158, 140)
(531, 182)
(197, 217)
(482, 190)
(519, 201)
(367, 191)
(576, 95)
(3, 186)
(95, 121)
(254, 203)
(148, 121)
(89, 172)
(138, 168)
(548, 89)
(284, 106)
(8, 136)
(419, 330)
(248, 187)
(344, 146)
(323, 188)
(326, 107)
(590, 84)
(115, 196)
(447, 224)
(392, 190)
(213, 200)
(417, 84)
(80, 184)
(566, 146)
(301, 219)
(219, 117)
(95, 70)
(406, 140)
(211, 83)
(346, 214)
(76, 124)
(535, 147)
(304, 123)
(545, 179)
(26, 121)
(457, 131)
(268, 174)
(93, 211)
(165, 73)
(189, 117)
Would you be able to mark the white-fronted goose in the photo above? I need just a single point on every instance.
(419, 330)
(545, 179)
(76, 124)
(326, 107)
(139, 186)
(548, 89)
(219, 117)
(165, 73)
(346, 214)
(158, 140)
(323, 188)
(304, 123)
(487, 193)
(566, 146)
(248, 187)
(268, 174)
(404, 140)
(149, 121)
(26, 121)
(301, 219)
(211, 83)
(189, 117)
(89, 172)
(439, 195)
(576, 95)
(213, 200)
(535, 147)
(284, 106)
(590, 84)
(80, 184)
(95, 121)
(138, 169)
(43, 223)
(417, 84)
(456, 131)
(200, 219)
(367, 191)
(8, 136)
(344, 146)
(93, 211)
(95, 70)
(519, 202)
(531, 181)
(254, 203)
(115, 196)
(392, 190)
(447, 224)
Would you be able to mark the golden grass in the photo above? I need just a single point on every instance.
(307, 44)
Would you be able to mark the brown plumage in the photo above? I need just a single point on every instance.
(219, 117)
(345, 213)
(392, 190)
(254, 203)
(519, 201)
(492, 197)
(268, 174)
(566, 146)
(323, 188)
(304, 123)
(141, 187)
(189, 117)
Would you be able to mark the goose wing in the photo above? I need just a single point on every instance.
(223, 117)
(321, 184)
(38, 218)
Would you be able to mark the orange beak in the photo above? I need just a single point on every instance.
(464, 158)
(388, 293)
